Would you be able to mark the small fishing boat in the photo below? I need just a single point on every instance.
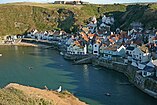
(61, 53)
(30, 67)
(107, 94)
(0, 55)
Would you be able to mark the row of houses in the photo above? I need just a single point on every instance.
(36, 35)
(46, 35)
(124, 47)
(119, 46)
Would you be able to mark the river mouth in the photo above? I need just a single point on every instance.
(87, 82)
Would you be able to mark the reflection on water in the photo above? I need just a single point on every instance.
(86, 73)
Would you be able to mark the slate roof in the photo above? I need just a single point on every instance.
(130, 48)
(149, 69)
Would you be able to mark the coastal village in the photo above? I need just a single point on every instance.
(132, 52)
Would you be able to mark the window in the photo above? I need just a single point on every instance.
(95, 51)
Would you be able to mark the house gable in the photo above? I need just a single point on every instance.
(96, 49)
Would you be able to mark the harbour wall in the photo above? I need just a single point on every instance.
(145, 84)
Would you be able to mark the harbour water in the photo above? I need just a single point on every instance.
(45, 67)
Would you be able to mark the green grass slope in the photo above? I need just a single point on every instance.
(18, 18)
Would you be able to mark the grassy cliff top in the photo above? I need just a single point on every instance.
(15, 94)
(18, 18)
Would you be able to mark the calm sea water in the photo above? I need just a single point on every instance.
(49, 69)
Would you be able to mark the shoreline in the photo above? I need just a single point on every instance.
(127, 70)
(25, 44)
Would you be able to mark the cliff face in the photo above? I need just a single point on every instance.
(18, 18)
(146, 14)
(15, 94)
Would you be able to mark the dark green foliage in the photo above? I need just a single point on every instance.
(65, 20)
(151, 85)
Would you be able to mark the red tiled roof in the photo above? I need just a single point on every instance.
(77, 43)
(91, 35)
(112, 47)
(84, 36)
(112, 41)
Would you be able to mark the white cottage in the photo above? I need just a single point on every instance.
(38, 36)
(107, 20)
(141, 66)
(131, 32)
(90, 48)
(141, 54)
(45, 36)
(129, 52)
(150, 38)
(155, 64)
(29, 35)
(149, 70)
(104, 19)
(134, 64)
(77, 50)
(96, 49)
(114, 50)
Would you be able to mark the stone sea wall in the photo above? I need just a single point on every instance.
(147, 85)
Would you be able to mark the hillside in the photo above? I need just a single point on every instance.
(146, 14)
(15, 94)
(18, 18)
